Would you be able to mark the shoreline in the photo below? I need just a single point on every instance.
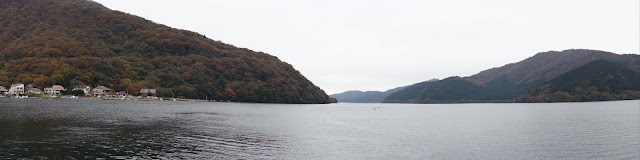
(115, 99)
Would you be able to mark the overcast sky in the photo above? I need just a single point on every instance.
(345, 45)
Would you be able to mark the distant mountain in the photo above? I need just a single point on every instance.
(365, 97)
(354, 96)
(46, 42)
(599, 80)
(506, 83)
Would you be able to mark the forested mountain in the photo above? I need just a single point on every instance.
(596, 81)
(364, 97)
(46, 42)
(448, 89)
(353, 96)
(506, 83)
(548, 65)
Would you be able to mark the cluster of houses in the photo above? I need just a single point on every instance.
(21, 90)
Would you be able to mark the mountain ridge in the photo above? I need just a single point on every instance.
(598, 80)
(356, 96)
(561, 61)
(506, 83)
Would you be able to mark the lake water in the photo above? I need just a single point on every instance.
(88, 129)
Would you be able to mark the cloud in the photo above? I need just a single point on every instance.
(382, 44)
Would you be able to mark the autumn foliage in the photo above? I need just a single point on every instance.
(46, 42)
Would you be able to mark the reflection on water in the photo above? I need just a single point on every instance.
(59, 138)
(84, 129)
(66, 138)
(66, 129)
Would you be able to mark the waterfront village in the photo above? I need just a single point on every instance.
(81, 91)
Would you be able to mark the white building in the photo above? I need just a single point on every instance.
(54, 90)
(83, 88)
(17, 89)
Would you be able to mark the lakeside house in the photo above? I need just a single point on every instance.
(3, 91)
(101, 91)
(83, 88)
(121, 94)
(17, 89)
(148, 92)
(32, 90)
(54, 90)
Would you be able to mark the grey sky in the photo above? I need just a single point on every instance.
(380, 44)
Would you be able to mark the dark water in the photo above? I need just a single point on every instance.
(87, 129)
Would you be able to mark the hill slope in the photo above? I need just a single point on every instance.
(353, 96)
(47, 42)
(443, 91)
(506, 83)
(596, 81)
(459, 90)
(548, 65)
(365, 97)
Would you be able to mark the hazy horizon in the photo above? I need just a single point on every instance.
(380, 45)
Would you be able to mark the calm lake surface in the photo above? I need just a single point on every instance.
(88, 129)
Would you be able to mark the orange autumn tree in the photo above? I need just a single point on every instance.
(230, 93)
(134, 89)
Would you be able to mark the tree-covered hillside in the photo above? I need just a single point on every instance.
(596, 81)
(442, 91)
(505, 84)
(46, 42)
(545, 66)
